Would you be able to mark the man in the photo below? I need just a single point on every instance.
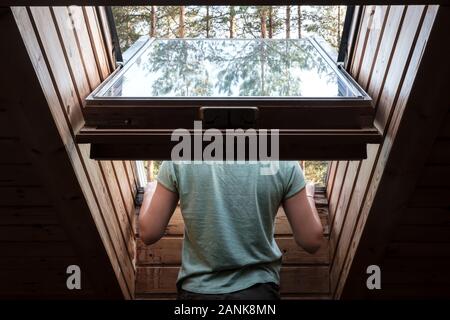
(229, 209)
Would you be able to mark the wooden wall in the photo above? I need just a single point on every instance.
(390, 45)
(58, 207)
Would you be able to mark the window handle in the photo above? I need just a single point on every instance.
(229, 117)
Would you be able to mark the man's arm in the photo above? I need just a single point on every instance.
(157, 207)
(304, 220)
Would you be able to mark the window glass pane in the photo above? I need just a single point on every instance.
(213, 68)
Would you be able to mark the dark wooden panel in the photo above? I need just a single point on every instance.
(16, 174)
(167, 251)
(445, 128)
(282, 227)
(32, 196)
(13, 151)
(400, 47)
(35, 232)
(422, 233)
(435, 176)
(419, 250)
(430, 198)
(440, 154)
(426, 216)
(293, 280)
(404, 151)
(47, 117)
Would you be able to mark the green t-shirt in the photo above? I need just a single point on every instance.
(229, 213)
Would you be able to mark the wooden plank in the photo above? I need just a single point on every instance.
(48, 35)
(167, 251)
(379, 74)
(14, 174)
(120, 210)
(125, 188)
(343, 203)
(107, 37)
(377, 25)
(63, 74)
(13, 151)
(130, 167)
(58, 156)
(440, 153)
(338, 183)
(97, 41)
(407, 38)
(422, 233)
(74, 59)
(36, 249)
(386, 48)
(426, 216)
(86, 50)
(361, 40)
(28, 233)
(305, 280)
(14, 216)
(67, 37)
(444, 132)
(392, 79)
(293, 280)
(418, 250)
(96, 174)
(414, 128)
(7, 128)
(435, 176)
(32, 196)
(175, 226)
(330, 178)
(430, 198)
(69, 94)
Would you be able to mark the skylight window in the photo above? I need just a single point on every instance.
(292, 84)
(230, 68)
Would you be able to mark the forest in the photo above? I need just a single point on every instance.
(229, 22)
(282, 22)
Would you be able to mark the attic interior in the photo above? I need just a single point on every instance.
(59, 207)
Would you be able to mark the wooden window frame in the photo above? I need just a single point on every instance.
(307, 140)
(310, 128)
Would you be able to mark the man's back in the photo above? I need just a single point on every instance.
(229, 212)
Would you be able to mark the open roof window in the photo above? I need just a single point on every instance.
(293, 85)
(207, 69)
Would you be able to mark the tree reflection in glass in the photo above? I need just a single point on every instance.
(205, 68)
